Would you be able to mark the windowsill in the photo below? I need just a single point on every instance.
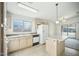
(19, 33)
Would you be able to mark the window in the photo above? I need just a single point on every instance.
(22, 26)
(65, 30)
(27, 26)
(69, 31)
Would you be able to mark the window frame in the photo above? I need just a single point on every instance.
(23, 25)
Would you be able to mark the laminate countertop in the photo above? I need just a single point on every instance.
(20, 35)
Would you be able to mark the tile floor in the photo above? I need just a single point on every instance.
(39, 50)
(71, 52)
(71, 49)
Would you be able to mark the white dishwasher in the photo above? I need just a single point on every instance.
(36, 39)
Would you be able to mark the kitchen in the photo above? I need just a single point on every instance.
(24, 32)
(39, 28)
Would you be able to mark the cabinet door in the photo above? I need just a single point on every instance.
(23, 42)
(13, 45)
(29, 41)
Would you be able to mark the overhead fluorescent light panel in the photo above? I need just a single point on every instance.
(27, 7)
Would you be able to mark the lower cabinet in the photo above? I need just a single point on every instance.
(13, 45)
(23, 42)
(29, 41)
(19, 43)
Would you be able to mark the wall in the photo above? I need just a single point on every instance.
(72, 20)
(39, 21)
(52, 29)
(34, 21)
(58, 31)
(9, 23)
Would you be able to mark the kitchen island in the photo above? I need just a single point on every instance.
(55, 46)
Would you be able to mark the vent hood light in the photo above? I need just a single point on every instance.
(27, 7)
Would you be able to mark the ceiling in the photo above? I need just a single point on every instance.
(46, 10)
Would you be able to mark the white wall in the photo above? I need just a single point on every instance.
(58, 31)
(34, 21)
(52, 29)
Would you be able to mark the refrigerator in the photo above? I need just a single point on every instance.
(42, 30)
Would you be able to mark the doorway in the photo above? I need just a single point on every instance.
(70, 34)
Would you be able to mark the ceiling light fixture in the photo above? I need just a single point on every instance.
(57, 21)
(64, 20)
(27, 7)
(61, 18)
